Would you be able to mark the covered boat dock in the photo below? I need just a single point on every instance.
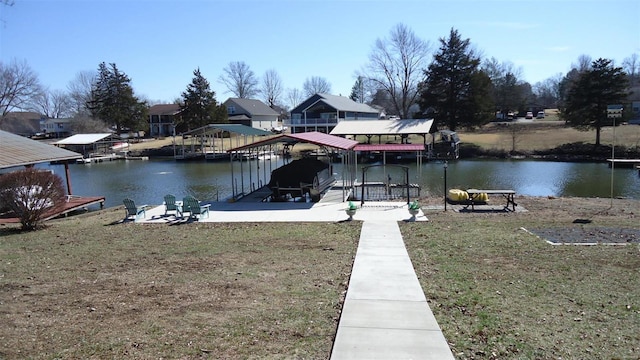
(257, 186)
(207, 142)
(17, 151)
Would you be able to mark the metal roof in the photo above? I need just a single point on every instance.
(252, 106)
(313, 137)
(83, 139)
(342, 103)
(234, 128)
(389, 147)
(17, 150)
(383, 127)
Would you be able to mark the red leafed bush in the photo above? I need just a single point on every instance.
(30, 194)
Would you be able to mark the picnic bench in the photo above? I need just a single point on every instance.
(508, 195)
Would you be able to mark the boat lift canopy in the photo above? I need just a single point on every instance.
(345, 148)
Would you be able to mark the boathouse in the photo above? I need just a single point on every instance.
(17, 151)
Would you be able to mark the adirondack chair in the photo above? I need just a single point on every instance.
(194, 208)
(171, 205)
(130, 208)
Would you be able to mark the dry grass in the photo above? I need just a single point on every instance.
(545, 135)
(83, 288)
(499, 292)
(88, 287)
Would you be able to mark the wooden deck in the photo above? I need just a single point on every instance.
(72, 204)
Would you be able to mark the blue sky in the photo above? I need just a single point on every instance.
(159, 43)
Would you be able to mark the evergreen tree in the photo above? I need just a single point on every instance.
(199, 106)
(112, 100)
(585, 106)
(357, 91)
(455, 91)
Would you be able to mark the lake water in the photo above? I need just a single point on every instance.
(148, 181)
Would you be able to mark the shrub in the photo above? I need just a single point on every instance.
(30, 194)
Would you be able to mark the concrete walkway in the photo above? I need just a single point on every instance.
(385, 314)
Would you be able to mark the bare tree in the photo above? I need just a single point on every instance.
(80, 91)
(53, 104)
(497, 70)
(583, 64)
(83, 123)
(295, 97)
(631, 66)
(316, 85)
(271, 87)
(395, 66)
(240, 80)
(516, 131)
(18, 86)
(547, 92)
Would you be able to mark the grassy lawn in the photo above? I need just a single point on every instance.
(86, 288)
(499, 292)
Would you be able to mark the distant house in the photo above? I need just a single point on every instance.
(635, 113)
(251, 112)
(162, 120)
(22, 123)
(56, 128)
(322, 112)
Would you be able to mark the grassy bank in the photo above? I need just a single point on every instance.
(89, 287)
(83, 288)
(499, 292)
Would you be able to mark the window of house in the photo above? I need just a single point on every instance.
(231, 109)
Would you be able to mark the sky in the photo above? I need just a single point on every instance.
(159, 43)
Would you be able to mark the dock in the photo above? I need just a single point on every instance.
(624, 163)
(109, 157)
(73, 203)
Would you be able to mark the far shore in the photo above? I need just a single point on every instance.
(543, 139)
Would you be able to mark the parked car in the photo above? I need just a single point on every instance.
(529, 115)
(540, 115)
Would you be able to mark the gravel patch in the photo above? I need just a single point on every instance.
(588, 235)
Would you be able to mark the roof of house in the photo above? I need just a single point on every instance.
(252, 107)
(339, 103)
(17, 150)
(312, 137)
(21, 122)
(383, 127)
(83, 139)
(164, 109)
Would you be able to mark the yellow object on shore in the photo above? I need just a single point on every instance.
(458, 195)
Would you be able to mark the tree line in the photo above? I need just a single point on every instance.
(403, 75)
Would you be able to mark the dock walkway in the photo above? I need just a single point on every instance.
(385, 314)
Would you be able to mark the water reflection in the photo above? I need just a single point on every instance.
(148, 181)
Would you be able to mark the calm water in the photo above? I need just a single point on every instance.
(148, 181)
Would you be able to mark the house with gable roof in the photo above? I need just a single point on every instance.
(162, 120)
(322, 112)
(251, 112)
